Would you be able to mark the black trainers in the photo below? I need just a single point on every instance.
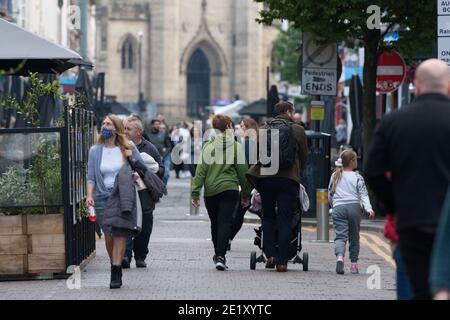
(340, 267)
(214, 259)
(141, 264)
(221, 264)
(126, 263)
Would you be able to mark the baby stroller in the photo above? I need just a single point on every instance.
(295, 246)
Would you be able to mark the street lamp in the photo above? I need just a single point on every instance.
(141, 95)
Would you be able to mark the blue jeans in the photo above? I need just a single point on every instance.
(403, 285)
(166, 162)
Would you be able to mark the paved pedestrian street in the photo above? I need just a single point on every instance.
(180, 266)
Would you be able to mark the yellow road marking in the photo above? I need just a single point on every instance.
(378, 240)
(377, 250)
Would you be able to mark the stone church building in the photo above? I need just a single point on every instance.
(192, 52)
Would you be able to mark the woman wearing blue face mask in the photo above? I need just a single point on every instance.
(106, 160)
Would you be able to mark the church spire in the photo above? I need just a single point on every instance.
(204, 5)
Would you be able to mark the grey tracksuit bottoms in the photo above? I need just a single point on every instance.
(346, 221)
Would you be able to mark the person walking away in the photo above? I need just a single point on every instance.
(221, 170)
(347, 192)
(196, 148)
(440, 262)
(139, 245)
(341, 132)
(412, 143)
(108, 169)
(298, 120)
(161, 140)
(249, 135)
(281, 189)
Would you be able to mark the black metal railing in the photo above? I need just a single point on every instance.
(71, 143)
(78, 137)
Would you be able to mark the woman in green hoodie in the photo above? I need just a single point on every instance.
(221, 170)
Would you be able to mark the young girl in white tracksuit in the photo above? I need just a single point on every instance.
(348, 196)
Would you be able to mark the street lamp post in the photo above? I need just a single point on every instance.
(141, 96)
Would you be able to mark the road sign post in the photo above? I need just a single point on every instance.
(319, 67)
(443, 31)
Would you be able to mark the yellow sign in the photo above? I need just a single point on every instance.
(317, 113)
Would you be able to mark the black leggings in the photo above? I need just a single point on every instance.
(220, 210)
(238, 218)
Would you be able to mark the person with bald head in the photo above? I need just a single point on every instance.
(298, 120)
(413, 145)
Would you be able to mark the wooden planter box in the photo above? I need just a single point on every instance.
(32, 245)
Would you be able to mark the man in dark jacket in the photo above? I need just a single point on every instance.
(161, 140)
(280, 190)
(413, 143)
(134, 130)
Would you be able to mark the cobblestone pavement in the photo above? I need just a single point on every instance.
(180, 267)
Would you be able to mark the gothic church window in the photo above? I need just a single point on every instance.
(127, 54)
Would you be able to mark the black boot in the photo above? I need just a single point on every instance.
(116, 277)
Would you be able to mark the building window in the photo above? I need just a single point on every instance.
(127, 54)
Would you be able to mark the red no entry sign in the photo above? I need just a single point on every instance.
(391, 71)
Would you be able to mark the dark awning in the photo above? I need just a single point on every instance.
(257, 108)
(22, 52)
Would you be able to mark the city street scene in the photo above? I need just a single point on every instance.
(242, 151)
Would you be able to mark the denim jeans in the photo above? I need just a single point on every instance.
(166, 162)
(403, 285)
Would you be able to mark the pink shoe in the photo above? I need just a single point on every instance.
(354, 268)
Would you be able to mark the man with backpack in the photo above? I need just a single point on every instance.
(287, 150)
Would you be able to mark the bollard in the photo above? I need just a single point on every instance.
(193, 211)
(322, 215)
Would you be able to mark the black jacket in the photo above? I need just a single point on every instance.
(149, 148)
(414, 144)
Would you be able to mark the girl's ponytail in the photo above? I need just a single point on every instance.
(337, 175)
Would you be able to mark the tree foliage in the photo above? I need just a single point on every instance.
(337, 20)
(285, 55)
(347, 21)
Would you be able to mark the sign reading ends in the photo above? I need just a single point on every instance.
(319, 67)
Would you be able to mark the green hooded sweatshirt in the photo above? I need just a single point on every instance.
(221, 167)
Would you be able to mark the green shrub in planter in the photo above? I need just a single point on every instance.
(16, 190)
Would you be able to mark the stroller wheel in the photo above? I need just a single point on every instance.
(305, 261)
(253, 260)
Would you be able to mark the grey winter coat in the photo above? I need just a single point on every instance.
(120, 209)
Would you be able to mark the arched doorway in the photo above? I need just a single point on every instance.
(198, 84)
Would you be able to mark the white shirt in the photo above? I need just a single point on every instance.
(351, 189)
(112, 161)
